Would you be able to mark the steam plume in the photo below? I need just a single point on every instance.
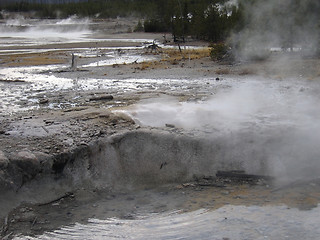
(274, 121)
(287, 24)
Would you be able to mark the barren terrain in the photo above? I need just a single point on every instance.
(49, 134)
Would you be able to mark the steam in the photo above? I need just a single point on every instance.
(288, 25)
(18, 21)
(272, 120)
(16, 30)
(251, 101)
(73, 20)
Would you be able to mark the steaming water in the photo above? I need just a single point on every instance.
(229, 222)
(261, 106)
(276, 120)
(246, 102)
(22, 32)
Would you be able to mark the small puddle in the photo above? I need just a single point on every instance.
(127, 59)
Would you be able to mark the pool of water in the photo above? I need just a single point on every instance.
(228, 222)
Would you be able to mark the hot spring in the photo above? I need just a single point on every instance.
(139, 182)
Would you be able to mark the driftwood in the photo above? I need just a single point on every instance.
(241, 176)
(102, 97)
(68, 194)
(12, 81)
(224, 178)
(153, 47)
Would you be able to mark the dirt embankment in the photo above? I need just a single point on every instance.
(32, 143)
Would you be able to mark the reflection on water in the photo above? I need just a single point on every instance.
(126, 59)
(229, 222)
(22, 84)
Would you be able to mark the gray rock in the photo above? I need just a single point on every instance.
(6, 182)
(41, 157)
(4, 161)
(43, 101)
(27, 162)
(45, 161)
(27, 155)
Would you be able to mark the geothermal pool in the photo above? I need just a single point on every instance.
(229, 222)
(266, 125)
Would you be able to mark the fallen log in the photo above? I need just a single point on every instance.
(66, 195)
(241, 176)
(102, 97)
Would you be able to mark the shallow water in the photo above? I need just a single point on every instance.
(125, 59)
(24, 86)
(228, 222)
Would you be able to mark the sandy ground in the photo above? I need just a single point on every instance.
(36, 135)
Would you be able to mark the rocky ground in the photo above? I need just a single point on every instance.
(33, 142)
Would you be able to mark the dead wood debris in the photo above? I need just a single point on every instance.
(103, 97)
(66, 195)
(225, 178)
(240, 176)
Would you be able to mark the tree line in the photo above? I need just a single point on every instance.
(286, 23)
(204, 19)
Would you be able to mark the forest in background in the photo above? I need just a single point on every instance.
(254, 24)
(203, 19)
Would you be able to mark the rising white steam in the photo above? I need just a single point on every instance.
(277, 121)
(73, 20)
(290, 25)
(23, 31)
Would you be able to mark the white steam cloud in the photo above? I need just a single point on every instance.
(21, 31)
(290, 25)
(277, 121)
